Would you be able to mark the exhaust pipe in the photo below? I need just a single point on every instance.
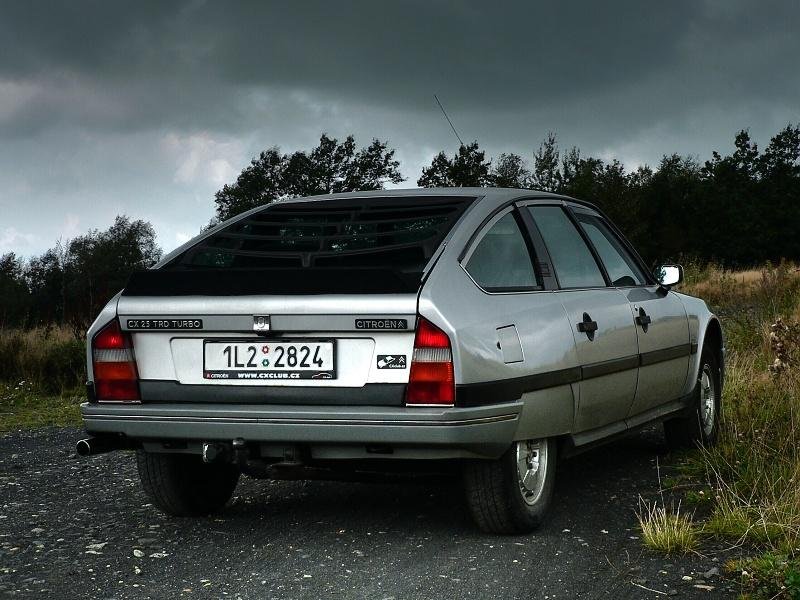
(98, 445)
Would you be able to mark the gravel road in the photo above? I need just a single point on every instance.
(81, 528)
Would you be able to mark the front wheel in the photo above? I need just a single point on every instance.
(701, 426)
(512, 493)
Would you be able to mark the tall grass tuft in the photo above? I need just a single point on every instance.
(665, 530)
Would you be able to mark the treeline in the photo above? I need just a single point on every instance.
(69, 283)
(737, 210)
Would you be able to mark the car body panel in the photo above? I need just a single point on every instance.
(481, 370)
(700, 319)
(174, 355)
(521, 368)
(604, 398)
(668, 332)
(430, 432)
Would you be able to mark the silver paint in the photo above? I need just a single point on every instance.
(477, 323)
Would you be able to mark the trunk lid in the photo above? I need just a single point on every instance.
(169, 333)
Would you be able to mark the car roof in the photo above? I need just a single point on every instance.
(491, 195)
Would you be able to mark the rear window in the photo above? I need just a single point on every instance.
(338, 242)
(401, 233)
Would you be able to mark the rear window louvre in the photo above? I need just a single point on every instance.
(398, 232)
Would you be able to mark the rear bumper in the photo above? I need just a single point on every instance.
(447, 432)
(372, 394)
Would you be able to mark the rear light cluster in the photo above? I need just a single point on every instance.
(115, 374)
(431, 380)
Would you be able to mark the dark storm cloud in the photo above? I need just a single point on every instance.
(187, 64)
(147, 108)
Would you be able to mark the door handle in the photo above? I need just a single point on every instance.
(587, 326)
(643, 319)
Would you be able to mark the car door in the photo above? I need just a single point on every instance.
(602, 325)
(662, 326)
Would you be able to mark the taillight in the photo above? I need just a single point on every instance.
(431, 380)
(115, 375)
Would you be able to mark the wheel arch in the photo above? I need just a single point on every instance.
(714, 339)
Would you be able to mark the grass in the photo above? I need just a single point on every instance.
(42, 373)
(24, 407)
(667, 531)
(51, 358)
(769, 575)
(751, 478)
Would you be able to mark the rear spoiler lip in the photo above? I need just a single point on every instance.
(271, 282)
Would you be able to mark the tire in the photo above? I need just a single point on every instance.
(495, 496)
(701, 427)
(183, 485)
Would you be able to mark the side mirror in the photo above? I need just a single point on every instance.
(669, 275)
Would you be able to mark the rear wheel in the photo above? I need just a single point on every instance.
(183, 485)
(701, 427)
(512, 494)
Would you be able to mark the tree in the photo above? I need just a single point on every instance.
(467, 168)
(44, 276)
(778, 187)
(97, 265)
(329, 168)
(579, 176)
(14, 296)
(438, 174)
(669, 210)
(510, 172)
(259, 183)
(71, 282)
(728, 195)
(546, 175)
(782, 156)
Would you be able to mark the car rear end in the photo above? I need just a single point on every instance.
(290, 336)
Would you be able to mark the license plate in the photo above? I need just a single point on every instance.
(269, 360)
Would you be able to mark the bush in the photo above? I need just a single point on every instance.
(51, 359)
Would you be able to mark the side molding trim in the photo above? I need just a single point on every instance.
(508, 390)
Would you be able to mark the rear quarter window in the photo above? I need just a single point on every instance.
(500, 260)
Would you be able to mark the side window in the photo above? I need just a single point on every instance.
(500, 260)
(620, 266)
(573, 262)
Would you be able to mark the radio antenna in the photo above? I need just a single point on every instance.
(458, 137)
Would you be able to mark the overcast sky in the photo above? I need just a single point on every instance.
(120, 107)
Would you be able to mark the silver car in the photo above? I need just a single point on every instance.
(482, 332)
